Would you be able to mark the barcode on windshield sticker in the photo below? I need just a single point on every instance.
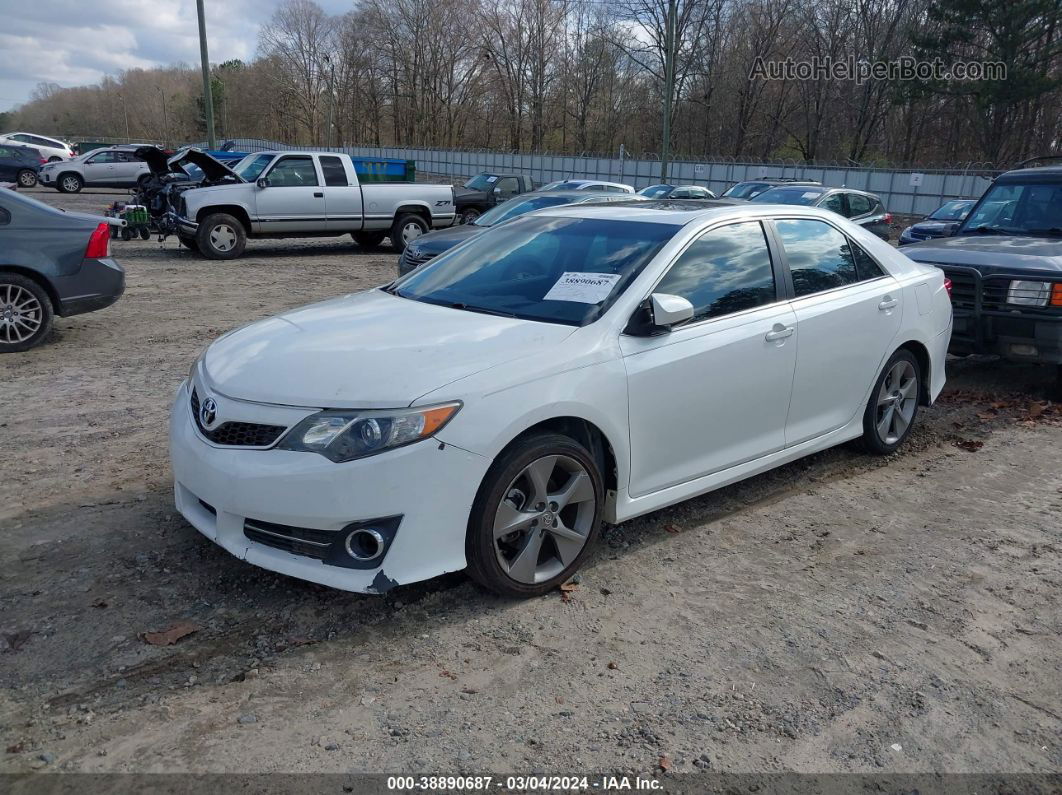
(585, 288)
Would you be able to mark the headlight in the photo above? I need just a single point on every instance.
(1029, 293)
(341, 435)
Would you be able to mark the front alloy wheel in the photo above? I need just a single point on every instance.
(536, 516)
(890, 414)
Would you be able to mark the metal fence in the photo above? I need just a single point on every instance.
(904, 191)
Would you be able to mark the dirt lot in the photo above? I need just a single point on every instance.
(843, 613)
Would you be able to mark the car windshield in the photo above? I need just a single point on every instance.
(1017, 209)
(656, 191)
(251, 166)
(789, 195)
(515, 207)
(557, 270)
(745, 190)
(951, 211)
(481, 182)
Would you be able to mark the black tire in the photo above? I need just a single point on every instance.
(145, 233)
(368, 239)
(223, 224)
(26, 178)
(874, 439)
(44, 314)
(468, 215)
(127, 234)
(401, 223)
(483, 564)
(188, 242)
(69, 182)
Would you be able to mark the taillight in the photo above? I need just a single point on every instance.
(99, 245)
(947, 285)
(888, 218)
(43, 160)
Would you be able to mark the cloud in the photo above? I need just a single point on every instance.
(71, 42)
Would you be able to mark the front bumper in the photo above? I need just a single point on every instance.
(429, 485)
(44, 177)
(985, 324)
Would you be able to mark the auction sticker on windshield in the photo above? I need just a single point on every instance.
(586, 288)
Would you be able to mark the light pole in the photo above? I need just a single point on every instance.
(165, 116)
(125, 112)
(669, 85)
(208, 95)
(331, 97)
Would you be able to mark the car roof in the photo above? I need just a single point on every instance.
(1037, 173)
(678, 212)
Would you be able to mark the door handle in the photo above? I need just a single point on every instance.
(318, 195)
(779, 332)
(888, 302)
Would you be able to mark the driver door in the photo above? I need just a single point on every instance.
(294, 199)
(100, 168)
(712, 393)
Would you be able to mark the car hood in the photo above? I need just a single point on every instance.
(934, 227)
(991, 253)
(156, 159)
(208, 165)
(441, 240)
(469, 195)
(367, 350)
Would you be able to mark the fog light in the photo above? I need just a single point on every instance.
(365, 544)
(1024, 350)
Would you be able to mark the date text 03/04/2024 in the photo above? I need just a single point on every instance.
(521, 783)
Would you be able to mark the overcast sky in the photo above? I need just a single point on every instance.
(76, 42)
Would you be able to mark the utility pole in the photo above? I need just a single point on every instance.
(125, 111)
(331, 97)
(165, 116)
(208, 95)
(669, 84)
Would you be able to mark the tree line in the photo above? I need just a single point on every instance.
(581, 76)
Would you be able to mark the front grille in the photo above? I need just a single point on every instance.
(408, 261)
(237, 434)
(963, 288)
(296, 540)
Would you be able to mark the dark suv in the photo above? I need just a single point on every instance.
(1005, 266)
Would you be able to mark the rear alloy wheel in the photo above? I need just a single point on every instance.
(893, 405)
(468, 216)
(27, 178)
(407, 228)
(220, 236)
(69, 183)
(25, 313)
(536, 516)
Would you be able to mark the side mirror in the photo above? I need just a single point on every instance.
(669, 310)
(262, 182)
(497, 191)
(658, 314)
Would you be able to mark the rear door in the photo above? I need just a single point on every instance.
(127, 168)
(294, 198)
(848, 312)
(868, 213)
(343, 203)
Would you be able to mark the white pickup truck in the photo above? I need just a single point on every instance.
(305, 194)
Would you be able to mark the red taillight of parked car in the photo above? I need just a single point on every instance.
(99, 245)
(888, 218)
(947, 286)
(43, 160)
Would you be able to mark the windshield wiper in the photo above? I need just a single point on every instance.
(481, 310)
(990, 230)
(1054, 231)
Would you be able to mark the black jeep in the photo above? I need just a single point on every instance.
(1005, 266)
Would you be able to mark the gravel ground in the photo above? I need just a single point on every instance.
(843, 613)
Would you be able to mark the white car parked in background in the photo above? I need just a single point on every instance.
(107, 167)
(573, 365)
(51, 149)
(587, 184)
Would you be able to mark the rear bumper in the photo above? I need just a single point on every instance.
(96, 285)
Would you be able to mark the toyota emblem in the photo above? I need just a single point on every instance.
(208, 412)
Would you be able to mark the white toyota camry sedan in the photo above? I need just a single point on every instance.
(577, 365)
